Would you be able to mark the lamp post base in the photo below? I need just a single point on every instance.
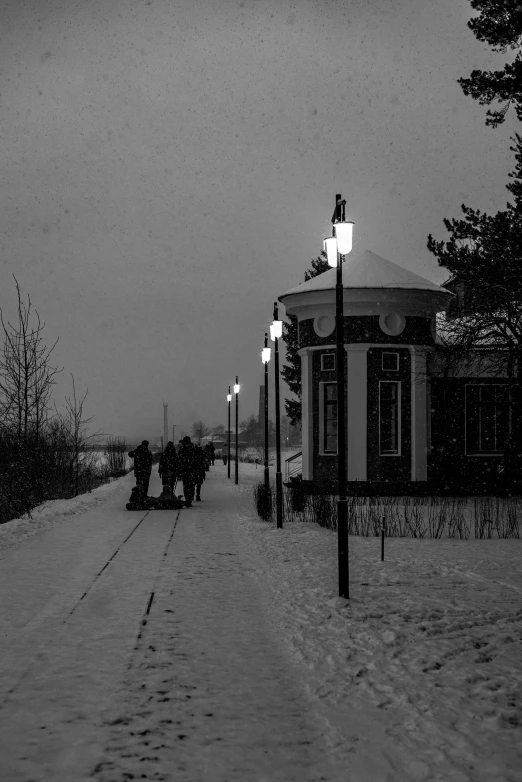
(267, 478)
(266, 495)
(342, 540)
(279, 499)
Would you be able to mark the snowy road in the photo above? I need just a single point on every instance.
(135, 646)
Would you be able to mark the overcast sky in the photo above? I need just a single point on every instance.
(169, 167)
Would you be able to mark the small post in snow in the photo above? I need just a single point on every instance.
(383, 527)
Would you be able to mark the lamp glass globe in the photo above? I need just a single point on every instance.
(330, 247)
(276, 330)
(344, 234)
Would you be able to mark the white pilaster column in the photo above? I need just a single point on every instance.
(307, 460)
(357, 360)
(419, 414)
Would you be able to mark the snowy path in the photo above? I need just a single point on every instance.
(207, 645)
(135, 644)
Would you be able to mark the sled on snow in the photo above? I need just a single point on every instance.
(166, 501)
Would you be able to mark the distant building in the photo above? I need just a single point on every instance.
(397, 419)
(221, 440)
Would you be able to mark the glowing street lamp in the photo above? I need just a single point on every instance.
(335, 247)
(265, 358)
(236, 392)
(330, 248)
(344, 236)
(276, 332)
(229, 399)
(276, 327)
(265, 353)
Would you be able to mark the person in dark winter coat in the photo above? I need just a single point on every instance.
(207, 453)
(142, 465)
(167, 466)
(199, 472)
(212, 451)
(187, 467)
(224, 454)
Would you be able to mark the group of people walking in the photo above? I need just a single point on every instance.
(187, 463)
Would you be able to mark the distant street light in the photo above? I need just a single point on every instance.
(276, 332)
(336, 246)
(229, 399)
(265, 358)
(236, 392)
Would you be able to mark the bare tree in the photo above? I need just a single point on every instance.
(199, 430)
(116, 456)
(76, 426)
(26, 377)
(253, 433)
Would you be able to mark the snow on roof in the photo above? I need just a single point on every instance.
(367, 270)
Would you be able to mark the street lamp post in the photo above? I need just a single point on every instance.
(265, 358)
(229, 399)
(276, 331)
(336, 246)
(236, 392)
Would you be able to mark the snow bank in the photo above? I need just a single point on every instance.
(53, 512)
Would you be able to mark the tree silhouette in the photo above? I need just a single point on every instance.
(26, 376)
(291, 372)
(200, 430)
(500, 25)
(484, 256)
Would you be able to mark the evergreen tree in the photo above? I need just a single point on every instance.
(484, 252)
(319, 265)
(292, 370)
(500, 25)
(484, 256)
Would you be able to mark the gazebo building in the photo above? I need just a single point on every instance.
(389, 330)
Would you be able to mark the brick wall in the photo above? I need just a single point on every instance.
(448, 460)
(365, 328)
(359, 329)
(324, 467)
(380, 468)
(389, 468)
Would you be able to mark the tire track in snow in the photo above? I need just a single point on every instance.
(41, 650)
(494, 582)
(209, 695)
(97, 576)
(159, 575)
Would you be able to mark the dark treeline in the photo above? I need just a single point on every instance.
(43, 450)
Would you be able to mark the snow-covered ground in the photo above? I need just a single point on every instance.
(51, 513)
(100, 457)
(417, 677)
(427, 652)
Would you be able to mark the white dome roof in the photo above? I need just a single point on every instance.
(367, 270)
